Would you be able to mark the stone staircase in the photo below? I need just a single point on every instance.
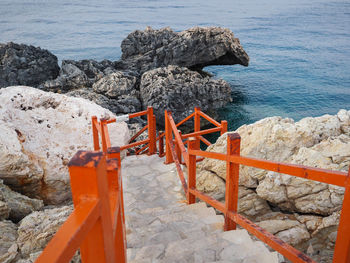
(161, 227)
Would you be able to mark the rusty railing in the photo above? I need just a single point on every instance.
(97, 223)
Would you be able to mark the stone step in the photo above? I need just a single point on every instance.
(232, 246)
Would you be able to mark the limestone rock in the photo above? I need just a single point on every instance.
(78, 75)
(8, 237)
(26, 65)
(180, 90)
(194, 48)
(18, 205)
(40, 132)
(37, 229)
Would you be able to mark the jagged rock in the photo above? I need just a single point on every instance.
(4, 209)
(317, 142)
(78, 75)
(8, 237)
(301, 195)
(37, 229)
(19, 205)
(116, 92)
(194, 48)
(26, 65)
(180, 90)
(39, 133)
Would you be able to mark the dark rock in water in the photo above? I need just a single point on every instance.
(26, 65)
(179, 90)
(117, 92)
(194, 48)
(78, 74)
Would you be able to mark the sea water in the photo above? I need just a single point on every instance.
(299, 50)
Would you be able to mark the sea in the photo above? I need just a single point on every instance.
(299, 49)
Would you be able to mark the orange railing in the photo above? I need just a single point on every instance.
(176, 150)
(97, 224)
(100, 128)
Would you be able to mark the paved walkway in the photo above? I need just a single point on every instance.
(162, 228)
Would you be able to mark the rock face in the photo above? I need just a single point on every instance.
(37, 229)
(322, 142)
(78, 74)
(194, 48)
(26, 65)
(39, 133)
(117, 92)
(8, 237)
(18, 205)
(180, 90)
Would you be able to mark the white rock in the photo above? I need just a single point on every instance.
(39, 133)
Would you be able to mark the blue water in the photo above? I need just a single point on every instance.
(299, 50)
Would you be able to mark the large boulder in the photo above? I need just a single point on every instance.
(26, 65)
(117, 92)
(179, 90)
(194, 48)
(39, 133)
(78, 75)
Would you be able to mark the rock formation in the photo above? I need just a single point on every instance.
(180, 90)
(322, 142)
(39, 133)
(194, 48)
(26, 65)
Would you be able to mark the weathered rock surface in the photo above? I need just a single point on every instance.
(117, 92)
(318, 142)
(37, 229)
(39, 133)
(18, 205)
(78, 75)
(322, 142)
(8, 237)
(26, 65)
(194, 48)
(180, 90)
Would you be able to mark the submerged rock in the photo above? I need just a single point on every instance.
(194, 48)
(26, 65)
(179, 90)
(39, 133)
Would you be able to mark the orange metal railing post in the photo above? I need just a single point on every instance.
(223, 127)
(342, 245)
(232, 177)
(197, 123)
(151, 131)
(161, 144)
(168, 137)
(115, 189)
(178, 150)
(94, 123)
(192, 145)
(88, 178)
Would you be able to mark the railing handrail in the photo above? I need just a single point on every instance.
(233, 159)
(98, 215)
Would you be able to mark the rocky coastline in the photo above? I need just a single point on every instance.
(47, 119)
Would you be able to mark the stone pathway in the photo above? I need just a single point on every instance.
(161, 227)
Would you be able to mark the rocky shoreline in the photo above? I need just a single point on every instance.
(158, 68)
(42, 126)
